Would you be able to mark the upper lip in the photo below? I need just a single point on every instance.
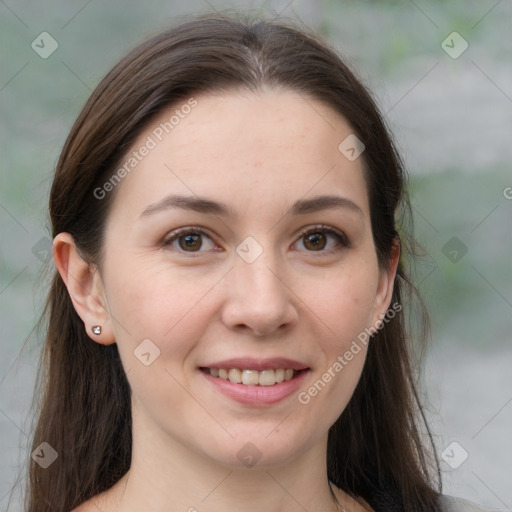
(250, 363)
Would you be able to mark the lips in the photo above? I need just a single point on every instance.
(249, 363)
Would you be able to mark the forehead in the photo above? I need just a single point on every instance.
(248, 148)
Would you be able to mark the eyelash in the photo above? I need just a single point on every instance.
(341, 238)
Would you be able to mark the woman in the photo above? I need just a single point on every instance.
(226, 329)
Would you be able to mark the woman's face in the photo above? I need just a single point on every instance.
(241, 241)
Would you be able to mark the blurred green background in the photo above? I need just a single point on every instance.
(452, 120)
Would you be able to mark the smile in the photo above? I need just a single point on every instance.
(248, 377)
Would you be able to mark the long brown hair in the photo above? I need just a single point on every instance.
(377, 443)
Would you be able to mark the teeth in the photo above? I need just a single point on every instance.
(267, 378)
(252, 377)
(235, 375)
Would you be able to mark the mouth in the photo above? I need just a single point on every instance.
(256, 382)
(251, 377)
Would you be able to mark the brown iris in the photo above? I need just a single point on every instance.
(315, 241)
(191, 242)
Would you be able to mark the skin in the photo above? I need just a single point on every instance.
(247, 152)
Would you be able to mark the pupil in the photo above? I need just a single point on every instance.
(315, 241)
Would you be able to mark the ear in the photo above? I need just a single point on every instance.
(85, 288)
(385, 287)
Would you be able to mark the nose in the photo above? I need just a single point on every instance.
(259, 300)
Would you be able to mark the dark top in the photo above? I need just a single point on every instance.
(388, 500)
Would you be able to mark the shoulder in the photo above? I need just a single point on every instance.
(85, 507)
(94, 504)
(451, 504)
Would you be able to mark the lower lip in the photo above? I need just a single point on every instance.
(257, 395)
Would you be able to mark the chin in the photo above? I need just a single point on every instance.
(261, 451)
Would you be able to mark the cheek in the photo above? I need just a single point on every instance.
(159, 318)
(168, 307)
(344, 300)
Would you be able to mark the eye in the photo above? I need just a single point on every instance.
(321, 239)
(189, 240)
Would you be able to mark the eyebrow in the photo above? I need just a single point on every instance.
(204, 205)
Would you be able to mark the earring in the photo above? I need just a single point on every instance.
(96, 329)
